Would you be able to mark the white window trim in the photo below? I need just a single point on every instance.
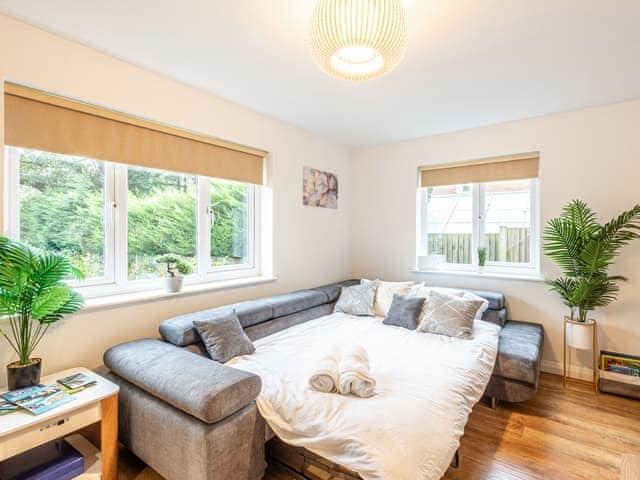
(491, 269)
(115, 281)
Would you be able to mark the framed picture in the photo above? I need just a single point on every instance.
(319, 188)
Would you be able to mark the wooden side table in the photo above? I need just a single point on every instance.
(594, 347)
(22, 431)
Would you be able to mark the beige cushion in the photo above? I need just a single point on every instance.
(384, 294)
(420, 290)
(450, 315)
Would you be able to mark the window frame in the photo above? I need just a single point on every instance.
(478, 191)
(115, 281)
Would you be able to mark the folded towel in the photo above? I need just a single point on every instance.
(325, 378)
(354, 372)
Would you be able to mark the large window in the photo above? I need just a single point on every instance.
(113, 220)
(499, 217)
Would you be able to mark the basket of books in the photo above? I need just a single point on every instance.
(620, 374)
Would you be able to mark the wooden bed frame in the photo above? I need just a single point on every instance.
(306, 465)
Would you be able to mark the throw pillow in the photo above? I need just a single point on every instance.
(422, 291)
(384, 294)
(449, 315)
(357, 299)
(404, 311)
(223, 337)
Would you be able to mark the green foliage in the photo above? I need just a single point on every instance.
(585, 250)
(482, 256)
(62, 211)
(33, 294)
(174, 263)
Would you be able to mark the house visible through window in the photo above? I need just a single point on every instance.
(113, 220)
(497, 216)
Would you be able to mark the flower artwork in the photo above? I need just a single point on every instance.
(319, 189)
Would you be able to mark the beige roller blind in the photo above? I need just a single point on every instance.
(509, 167)
(38, 120)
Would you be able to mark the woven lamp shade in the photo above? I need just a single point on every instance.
(358, 39)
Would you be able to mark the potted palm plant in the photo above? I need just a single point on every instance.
(33, 296)
(176, 268)
(585, 250)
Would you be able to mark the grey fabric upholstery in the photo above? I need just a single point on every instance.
(267, 328)
(207, 390)
(179, 330)
(519, 352)
(495, 299)
(404, 311)
(510, 390)
(223, 337)
(499, 317)
(179, 446)
(332, 291)
(293, 302)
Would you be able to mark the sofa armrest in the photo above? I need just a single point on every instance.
(205, 389)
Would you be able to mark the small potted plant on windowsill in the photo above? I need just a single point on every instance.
(585, 250)
(33, 296)
(482, 258)
(176, 268)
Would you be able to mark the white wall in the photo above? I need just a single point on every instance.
(306, 252)
(592, 154)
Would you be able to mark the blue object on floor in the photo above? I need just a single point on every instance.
(55, 460)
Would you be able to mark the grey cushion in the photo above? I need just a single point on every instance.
(449, 315)
(404, 311)
(204, 389)
(293, 302)
(357, 300)
(180, 331)
(332, 291)
(520, 352)
(223, 337)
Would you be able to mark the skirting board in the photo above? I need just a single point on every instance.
(577, 371)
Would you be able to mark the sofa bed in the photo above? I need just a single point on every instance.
(188, 416)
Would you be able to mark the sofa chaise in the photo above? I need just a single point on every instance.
(187, 416)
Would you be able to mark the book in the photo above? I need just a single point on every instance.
(38, 399)
(7, 407)
(77, 381)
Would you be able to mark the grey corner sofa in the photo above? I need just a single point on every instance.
(189, 417)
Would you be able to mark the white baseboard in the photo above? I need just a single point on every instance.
(578, 372)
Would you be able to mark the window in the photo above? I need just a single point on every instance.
(113, 220)
(499, 216)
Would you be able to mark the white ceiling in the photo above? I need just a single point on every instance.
(469, 62)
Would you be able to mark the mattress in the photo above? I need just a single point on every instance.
(410, 429)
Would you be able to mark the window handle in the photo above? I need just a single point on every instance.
(212, 217)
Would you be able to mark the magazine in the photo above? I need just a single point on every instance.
(77, 381)
(38, 399)
(7, 407)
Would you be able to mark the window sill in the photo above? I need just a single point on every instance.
(471, 274)
(119, 300)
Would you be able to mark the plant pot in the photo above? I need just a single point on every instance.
(481, 269)
(173, 284)
(580, 334)
(21, 376)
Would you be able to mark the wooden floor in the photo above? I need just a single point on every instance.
(558, 435)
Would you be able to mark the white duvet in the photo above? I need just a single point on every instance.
(410, 429)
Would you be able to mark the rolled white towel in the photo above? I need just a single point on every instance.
(325, 377)
(355, 376)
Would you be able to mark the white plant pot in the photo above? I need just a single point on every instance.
(580, 335)
(481, 269)
(173, 284)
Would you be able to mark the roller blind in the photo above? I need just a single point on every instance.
(510, 167)
(42, 121)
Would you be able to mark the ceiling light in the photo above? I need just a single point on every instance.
(358, 39)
